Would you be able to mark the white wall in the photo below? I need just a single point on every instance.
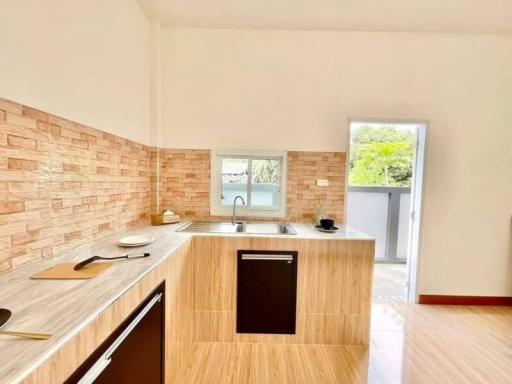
(88, 61)
(296, 89)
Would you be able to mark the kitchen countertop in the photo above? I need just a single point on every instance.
(64, 307)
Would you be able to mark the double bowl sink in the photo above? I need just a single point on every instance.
(250, 227)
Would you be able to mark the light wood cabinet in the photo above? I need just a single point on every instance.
(333, 300)
(334, 279)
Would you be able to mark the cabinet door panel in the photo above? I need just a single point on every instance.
(135, 350)
(266, 292)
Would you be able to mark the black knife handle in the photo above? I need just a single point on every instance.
(82, 264)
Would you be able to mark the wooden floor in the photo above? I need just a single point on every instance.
(409, 344)
(275, 363)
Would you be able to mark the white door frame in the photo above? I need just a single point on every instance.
(415, 224)
(417, 188)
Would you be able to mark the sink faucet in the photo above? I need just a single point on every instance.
(233, 220)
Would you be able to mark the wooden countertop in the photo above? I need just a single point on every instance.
(64, 307)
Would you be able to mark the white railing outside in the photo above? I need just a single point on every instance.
(384, 213)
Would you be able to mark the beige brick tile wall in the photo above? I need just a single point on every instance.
(303, 196)
(63, 184)
(185, 181)
(184, 184)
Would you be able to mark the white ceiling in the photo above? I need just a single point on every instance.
(456, 16)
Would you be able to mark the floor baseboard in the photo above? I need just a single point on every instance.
(465, 300)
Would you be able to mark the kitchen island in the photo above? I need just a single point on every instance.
(334, 277)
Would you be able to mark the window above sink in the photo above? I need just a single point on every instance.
(258, 176)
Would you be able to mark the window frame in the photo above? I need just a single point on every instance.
(216, 207)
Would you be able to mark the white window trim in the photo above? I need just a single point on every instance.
(216, 208)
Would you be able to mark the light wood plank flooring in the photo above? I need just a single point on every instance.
(409, 344)
(275, 363)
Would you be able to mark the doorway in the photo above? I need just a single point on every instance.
(385, 180)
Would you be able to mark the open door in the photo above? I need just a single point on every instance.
(385, 183)
(415, 221)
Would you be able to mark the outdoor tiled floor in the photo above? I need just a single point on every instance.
(389, 280)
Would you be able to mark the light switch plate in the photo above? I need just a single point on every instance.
(322, 183)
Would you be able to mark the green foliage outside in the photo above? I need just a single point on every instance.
(265, 171)
(381, 157)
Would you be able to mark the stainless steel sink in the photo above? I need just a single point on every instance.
(250, 227)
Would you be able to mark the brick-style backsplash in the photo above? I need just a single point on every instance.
(185, 183)
(303, 197)
(64, 184)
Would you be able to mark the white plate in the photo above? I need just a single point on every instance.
(135, 241)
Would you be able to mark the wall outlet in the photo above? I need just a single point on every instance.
(322, 183)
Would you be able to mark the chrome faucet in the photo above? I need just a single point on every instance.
(233, 220)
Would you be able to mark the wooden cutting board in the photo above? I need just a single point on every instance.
(65, 271)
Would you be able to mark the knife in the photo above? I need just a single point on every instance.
(82, 264)
(5, 315)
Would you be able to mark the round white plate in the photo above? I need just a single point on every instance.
(135, 241)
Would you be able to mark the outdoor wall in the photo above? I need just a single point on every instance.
(88, 61)
(295, 90)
